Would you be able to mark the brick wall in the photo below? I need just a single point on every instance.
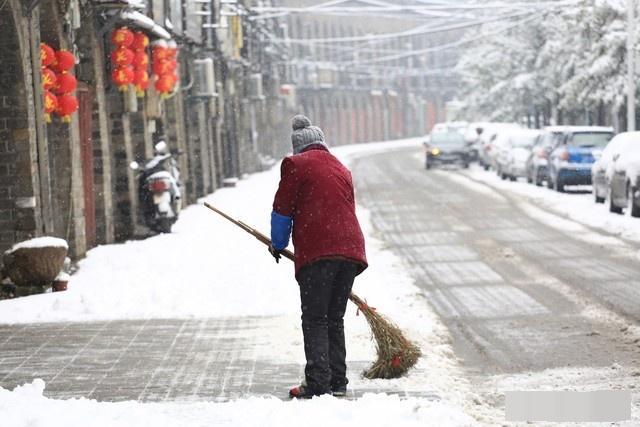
(17, 202)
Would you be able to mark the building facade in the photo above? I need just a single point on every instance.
(240, 79)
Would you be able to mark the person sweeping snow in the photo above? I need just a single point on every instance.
(315, 199)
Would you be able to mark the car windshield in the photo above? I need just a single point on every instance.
(447, 139)
(591, 139)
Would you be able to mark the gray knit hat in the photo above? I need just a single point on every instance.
(304, 134)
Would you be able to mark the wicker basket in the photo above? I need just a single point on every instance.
(34, 266)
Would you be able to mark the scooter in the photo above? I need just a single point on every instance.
(159, 191)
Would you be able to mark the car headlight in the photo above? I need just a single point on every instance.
(435, 151)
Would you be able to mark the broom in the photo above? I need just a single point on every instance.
(396, 354)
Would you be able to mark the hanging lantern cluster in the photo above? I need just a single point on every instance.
(140, 63)
(58, 83)
(122, 57)
(165, 66)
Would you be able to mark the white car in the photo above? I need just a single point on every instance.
(602, 169)
(516, 153)
(487, 140)
(624, 179)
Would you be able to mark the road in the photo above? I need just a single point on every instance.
(517, 295)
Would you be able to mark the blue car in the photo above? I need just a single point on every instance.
(570, 160)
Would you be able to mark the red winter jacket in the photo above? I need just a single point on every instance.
(316, 191)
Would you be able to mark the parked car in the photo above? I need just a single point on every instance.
(487, 140)
(602, 169)
(624, 180)
(513, 159)
(446, 148)
(537, 163)
(570, 160)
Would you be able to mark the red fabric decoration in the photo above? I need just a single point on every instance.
(49, 78)
(123, 76)
(122, 37)
(47, 55)
(122, 56)
(67, 83)
(67, 105)
(141, 59)
(395, 362)
(50, 105)
(140, 41)
(64, 60)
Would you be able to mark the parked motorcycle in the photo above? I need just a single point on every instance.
(159, 189)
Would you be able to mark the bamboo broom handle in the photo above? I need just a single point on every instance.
(267, 241)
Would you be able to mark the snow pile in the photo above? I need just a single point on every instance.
(26, 406)
(577, 205)
(40, 242)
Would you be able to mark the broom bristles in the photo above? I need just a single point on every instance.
(396, 354)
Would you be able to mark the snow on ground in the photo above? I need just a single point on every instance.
(26, 406)
(209, 268)
(577, 204)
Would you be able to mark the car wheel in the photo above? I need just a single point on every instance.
(632, 203)
(529, 179)
(538, 179)
(549, 183)
(486, 167)
(465, 165)
(596, 197)
(612, 207)
(512, 178)
(427, 165)
(558, 185)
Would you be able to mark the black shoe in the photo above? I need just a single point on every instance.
(339, 391)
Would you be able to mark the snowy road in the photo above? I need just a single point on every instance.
(520, 295)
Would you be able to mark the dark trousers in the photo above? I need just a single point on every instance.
(325, 286)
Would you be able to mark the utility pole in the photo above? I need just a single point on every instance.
(631, 65)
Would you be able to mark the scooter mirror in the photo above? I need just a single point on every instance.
(134, 165)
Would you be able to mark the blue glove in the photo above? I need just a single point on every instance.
(280, 230)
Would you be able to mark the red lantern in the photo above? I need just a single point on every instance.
(174, 79)
(123, 76)
(122, 37)
(164, 84)
(141, 81)
(49, 78)
(141, 59)
(140, 41)
(47, 55)
(160, 53)
(50, 105)
(163, 67)
(172, 46)
(122, 56)
(67, 83)
(67, 105)
(64, 60)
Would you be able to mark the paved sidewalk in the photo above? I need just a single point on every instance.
(152, 360)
